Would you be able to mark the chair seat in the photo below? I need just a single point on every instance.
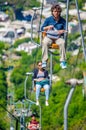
(53, 45)
(41, 90)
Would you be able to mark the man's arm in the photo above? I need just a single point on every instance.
(48, 27)
(61, 31)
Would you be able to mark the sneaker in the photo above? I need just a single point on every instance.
(44, 64)
(37, 103)
(63, 65)
(46, 103)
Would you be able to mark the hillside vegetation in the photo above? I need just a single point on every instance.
(52, 116)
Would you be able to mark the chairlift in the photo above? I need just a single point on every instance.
(28, 100)
(23, 109)
(42, 90)
(33, 84)
(52, 49)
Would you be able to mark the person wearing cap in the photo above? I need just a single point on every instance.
(55, 27)
(33, 124)
(41, 79)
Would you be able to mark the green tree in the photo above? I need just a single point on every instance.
(2, 46)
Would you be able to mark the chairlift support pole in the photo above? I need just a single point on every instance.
(51, 69)
(73, 83)
(80, 26)
(66, 107)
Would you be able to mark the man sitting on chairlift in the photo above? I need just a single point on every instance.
(55, 27)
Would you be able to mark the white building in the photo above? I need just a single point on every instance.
(84, 6)
(3, 16)
(48, 1)
(27, 47)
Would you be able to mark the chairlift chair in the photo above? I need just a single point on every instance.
(42, 88)
(53, 45)
(34, 87)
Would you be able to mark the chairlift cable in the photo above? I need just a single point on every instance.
(80, 26)
(75, 64)
(39, 29)
(66, 35)
(35, 57)
(12, 115)
(42, 5)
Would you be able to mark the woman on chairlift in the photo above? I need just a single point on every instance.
(41, 80)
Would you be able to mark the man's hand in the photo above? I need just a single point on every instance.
(48, 27)
(61, 31)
